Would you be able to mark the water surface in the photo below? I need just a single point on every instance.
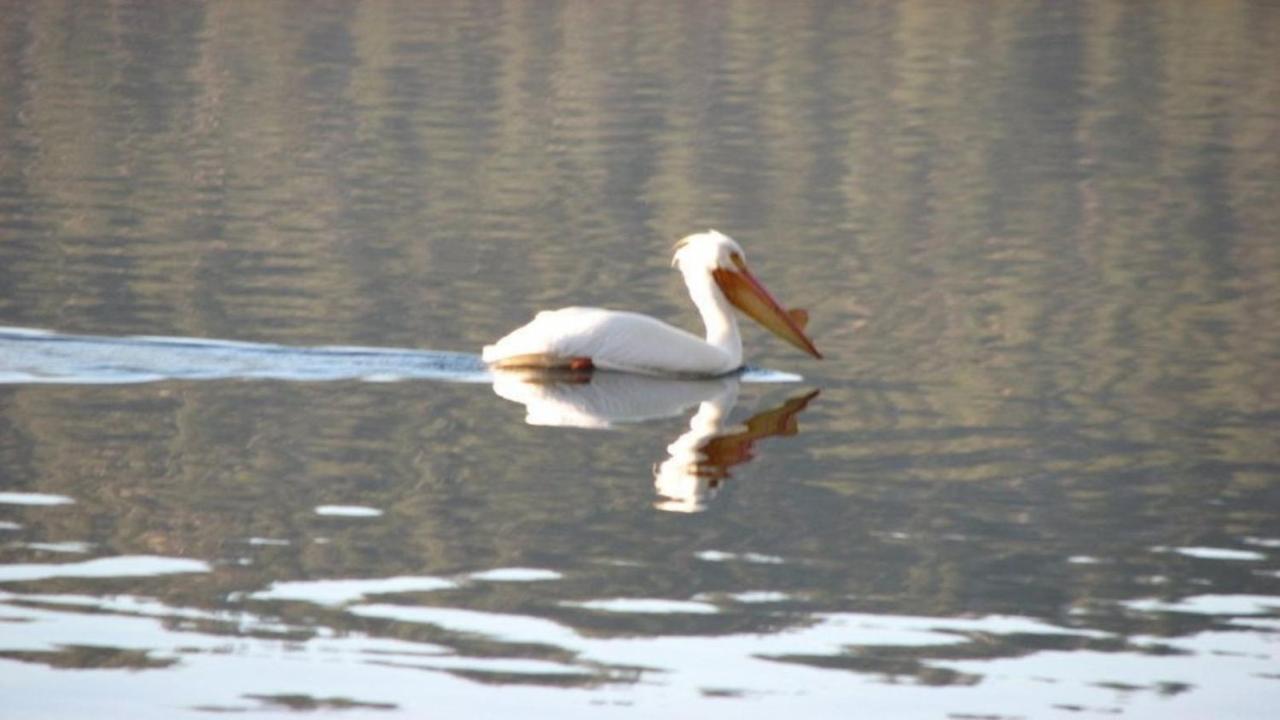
(1037, 475)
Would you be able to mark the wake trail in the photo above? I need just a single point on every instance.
(32, 356)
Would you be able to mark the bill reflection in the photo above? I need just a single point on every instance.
(698, 461)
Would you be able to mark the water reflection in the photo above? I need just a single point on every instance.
(1047, 463)
(698, 460)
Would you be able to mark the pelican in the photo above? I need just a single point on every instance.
(715, 272)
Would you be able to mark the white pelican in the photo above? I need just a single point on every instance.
(716, 275)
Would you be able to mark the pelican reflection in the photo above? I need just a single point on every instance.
(698, 461)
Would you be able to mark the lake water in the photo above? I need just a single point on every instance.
(250, 464)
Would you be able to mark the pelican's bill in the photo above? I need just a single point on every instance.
(750, 296)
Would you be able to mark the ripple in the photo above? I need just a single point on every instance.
(760, 596)
(1210, 605)
(1212, 553)
(20, 498)
(347, 511)
(275, 542)
(1084, 560)
(721, 556)
(123, 566)
(343, 591)
(70, 546)
(515, 574)
(649, 606)
(502, 626)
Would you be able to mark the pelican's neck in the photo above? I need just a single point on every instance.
(717, 315)
(680, 484)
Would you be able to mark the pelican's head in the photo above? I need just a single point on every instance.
(706, 251)
(721, 257)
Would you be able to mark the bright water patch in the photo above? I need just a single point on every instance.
(272, 542)
(646, 606)
(21, 498)
(515, 574)
(760, 596)
(347, 511)
(750, 557)
(69, 546)
(502, 627)
(1213, 553)
(772, 669)
(762, 668)
(1084, 560)
(341, 592)
(1226, 605)
(108, 567)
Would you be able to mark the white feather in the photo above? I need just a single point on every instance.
(614, 340)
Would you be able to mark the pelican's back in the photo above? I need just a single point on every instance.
(611, 340)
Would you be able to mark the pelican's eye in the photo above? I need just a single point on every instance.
(738, 262)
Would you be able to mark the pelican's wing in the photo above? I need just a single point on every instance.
(612, 340)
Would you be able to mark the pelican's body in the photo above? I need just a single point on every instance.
(613, 340)
(716, 276)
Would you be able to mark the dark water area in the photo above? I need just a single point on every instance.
(1037, 474)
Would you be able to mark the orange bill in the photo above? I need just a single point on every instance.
(724, 451)
(748, 295)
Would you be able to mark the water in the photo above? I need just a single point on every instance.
(248, 462)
